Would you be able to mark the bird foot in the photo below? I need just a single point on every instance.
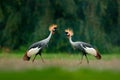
(80, 62)
(33, 60)
(43, 61)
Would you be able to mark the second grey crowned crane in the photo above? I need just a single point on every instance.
(84, 47)
(36, 48)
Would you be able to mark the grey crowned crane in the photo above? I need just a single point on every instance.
(37, 47)
(84, 47)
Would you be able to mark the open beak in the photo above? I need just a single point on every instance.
(66, 33)
(54, 30)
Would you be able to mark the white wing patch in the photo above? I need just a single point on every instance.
(91, 51)
(33, 51)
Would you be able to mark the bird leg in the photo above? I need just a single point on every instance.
(34, 57)
(41, 58)
(87, 58)
(81, 58)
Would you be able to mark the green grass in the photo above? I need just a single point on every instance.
(53, 72)
(60, 74)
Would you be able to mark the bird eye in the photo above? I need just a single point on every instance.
(55, 28)
(66, 32)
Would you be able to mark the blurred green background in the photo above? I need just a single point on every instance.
(23, 22)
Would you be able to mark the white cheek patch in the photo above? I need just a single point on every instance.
(33, 51)
(91, 51)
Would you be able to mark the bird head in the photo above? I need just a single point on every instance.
(53, 28)
(69, 32)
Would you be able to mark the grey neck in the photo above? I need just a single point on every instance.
(48, 38)
(70, 39)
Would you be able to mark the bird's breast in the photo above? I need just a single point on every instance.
(33, 51)
(91, 51)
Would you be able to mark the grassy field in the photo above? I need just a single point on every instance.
(61, 66)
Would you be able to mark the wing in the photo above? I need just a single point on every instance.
(34, 49)
(84, 45)
(37, 44)
(89, 49)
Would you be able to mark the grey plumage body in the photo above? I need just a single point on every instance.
(85, 49)
(41, 44)
(37, 48)
(79, 45)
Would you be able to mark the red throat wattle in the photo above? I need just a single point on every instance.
(68, 36)
(53, 32)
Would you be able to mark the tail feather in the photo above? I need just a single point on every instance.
(26, 58)
(98, 56)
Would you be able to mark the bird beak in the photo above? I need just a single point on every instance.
(66, 33)
(55, 29)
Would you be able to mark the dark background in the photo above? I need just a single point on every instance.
(23, 22)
